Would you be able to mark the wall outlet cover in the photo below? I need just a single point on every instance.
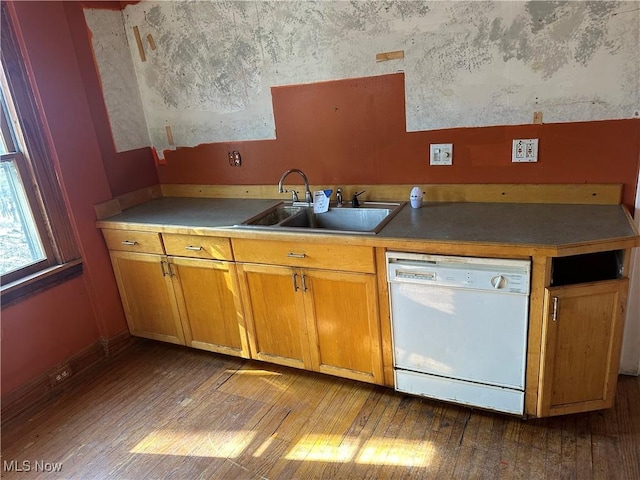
(441, 154)
(60, 374)
(525, 150)
(234, 158)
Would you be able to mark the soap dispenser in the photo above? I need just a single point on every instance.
(416, 197)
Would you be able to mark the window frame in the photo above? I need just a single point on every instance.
(18, 160)
(34, 159)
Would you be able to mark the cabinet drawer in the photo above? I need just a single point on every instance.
(132, 241)
(197, 246)
(351, 258)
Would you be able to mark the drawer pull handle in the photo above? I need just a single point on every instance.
(554, 315)
(296, 255)
(129, 242)
(195, 249)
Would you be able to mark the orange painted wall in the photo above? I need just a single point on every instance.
(126, 171)
(47, 328)
(353, 131)
(44, 331)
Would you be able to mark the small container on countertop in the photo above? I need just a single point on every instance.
(416, 197)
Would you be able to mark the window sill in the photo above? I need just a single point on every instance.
(20, 289)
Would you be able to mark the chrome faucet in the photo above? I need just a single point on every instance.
(339, 196)
(307, 194)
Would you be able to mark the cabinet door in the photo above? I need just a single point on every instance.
(274, 309)
(147, 296)
(343, 324)
(582, 335)
(209, 305)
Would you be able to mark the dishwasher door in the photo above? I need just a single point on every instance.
(459, 321)
(458, 333)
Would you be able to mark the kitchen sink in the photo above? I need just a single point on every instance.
(358, 219)
(368, 218)
(274, 215)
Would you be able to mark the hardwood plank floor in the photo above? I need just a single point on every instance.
(159, 411)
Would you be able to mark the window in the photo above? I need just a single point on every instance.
(21, 232)
(36, 242)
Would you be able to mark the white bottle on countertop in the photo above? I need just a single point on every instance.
(416, 197)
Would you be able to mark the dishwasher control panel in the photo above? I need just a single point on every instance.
(419, 276)
(504, 275)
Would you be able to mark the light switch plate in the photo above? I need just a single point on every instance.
(525, 150)
(441, 154)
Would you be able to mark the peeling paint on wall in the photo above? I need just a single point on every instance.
(466, 64)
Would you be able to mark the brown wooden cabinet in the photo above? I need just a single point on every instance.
(209, 305)
(325, 321)
(148, 296)
(273, 304)
(582, 334)
(343, 324)
(190, 299)
(312, 318)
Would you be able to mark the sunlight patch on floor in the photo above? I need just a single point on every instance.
(220, 444)
(407, 453)
(264, 447)
(324, 448)
(376, 451)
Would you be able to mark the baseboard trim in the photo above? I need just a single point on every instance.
(116, 344)
(34, 394)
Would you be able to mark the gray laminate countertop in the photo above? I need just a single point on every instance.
(501, 223)
(512, 223)
(193, 212)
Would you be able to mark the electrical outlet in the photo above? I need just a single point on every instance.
(525, 150)
(441, 154)
(60, 374)
(234, 158)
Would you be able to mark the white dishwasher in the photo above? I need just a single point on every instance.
(459, 327)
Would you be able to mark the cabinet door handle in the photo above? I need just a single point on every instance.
(129, 242)
(164, 272)
(294, 277)
(195, 249)
(171, 272)
(554, 315)
(304, 282)
(296, 255)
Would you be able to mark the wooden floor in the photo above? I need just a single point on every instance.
(160, 411)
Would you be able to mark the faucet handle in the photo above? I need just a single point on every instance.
(355, 201)
(294, 195)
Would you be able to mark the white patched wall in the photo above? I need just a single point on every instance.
(118, 79)
(466, 64)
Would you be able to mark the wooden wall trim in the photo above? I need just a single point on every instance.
(34, 394)
(590, 194)
(587, 194)
(122, 202)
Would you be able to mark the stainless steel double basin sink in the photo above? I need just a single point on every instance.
(368, 218)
